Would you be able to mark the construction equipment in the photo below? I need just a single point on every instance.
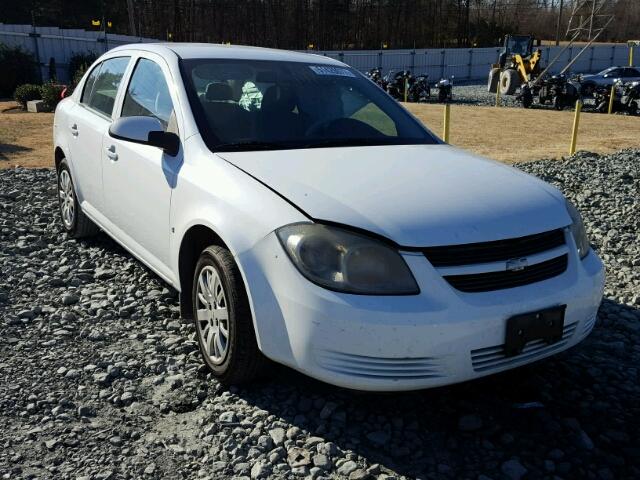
(518, 64)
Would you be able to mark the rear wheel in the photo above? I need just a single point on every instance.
(509, 82)
(558, 102)
(223, 319)
(74, 221)
(494, 77)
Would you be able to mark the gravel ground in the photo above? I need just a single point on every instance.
(100, 380)
(477, 94)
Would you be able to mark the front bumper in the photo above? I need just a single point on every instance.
(385, 343)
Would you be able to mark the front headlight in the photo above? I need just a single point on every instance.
(341, 260)
(578, 231)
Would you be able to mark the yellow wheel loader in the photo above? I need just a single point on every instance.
(518, 64)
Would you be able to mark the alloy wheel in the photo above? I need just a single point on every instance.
(212, 315)
(67, 199)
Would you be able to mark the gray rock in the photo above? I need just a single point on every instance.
(347, 467)
(513, 469)
(277, 435)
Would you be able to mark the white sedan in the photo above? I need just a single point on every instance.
(305, 217)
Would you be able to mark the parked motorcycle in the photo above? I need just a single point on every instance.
(559, 91)
(419, 89)
(396, 83)
(445, 89)
(375, 75)
(626, 98)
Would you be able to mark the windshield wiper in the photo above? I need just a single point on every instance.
(248, 146)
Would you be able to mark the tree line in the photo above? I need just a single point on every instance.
(323, 24)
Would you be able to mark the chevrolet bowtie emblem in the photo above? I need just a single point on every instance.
(516, 264)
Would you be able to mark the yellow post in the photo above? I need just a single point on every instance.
(574, 133)
(498, 95)
(612, 96)
(445, 133)
(405, 89)
(631, 56)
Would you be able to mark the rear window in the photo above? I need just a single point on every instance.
(102, 85)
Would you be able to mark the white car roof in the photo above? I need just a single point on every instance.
(240, 52)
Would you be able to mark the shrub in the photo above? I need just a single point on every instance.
(80, 62)
(50, 93)
(76, 79)
(17, 67)
(25, 93)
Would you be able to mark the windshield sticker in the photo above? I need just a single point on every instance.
(337, 71)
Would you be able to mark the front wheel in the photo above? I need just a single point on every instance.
(223, 319)
(74, 221)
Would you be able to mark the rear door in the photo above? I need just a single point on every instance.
(89, 121)
(138, 179)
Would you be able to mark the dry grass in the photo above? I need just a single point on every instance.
(506, 134)
(519, 135)
(25, 138)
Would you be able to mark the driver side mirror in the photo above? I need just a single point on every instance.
(146, 131)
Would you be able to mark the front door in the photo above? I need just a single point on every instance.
(138, 179)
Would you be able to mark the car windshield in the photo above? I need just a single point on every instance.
(258, 105)
(607, 70)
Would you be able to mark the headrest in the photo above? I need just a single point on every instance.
(218, 91)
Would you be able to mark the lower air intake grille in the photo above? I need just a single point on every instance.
(490, 358)
(486, 282)
(410, 368)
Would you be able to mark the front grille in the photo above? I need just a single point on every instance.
(493, 358)
(485, 282)
(500, 250)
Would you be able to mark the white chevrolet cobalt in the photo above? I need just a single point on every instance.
(306, 217)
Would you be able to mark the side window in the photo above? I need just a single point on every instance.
(88, 85)
(148, 95)
(105, 85)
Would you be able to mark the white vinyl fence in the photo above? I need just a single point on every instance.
(463, 63)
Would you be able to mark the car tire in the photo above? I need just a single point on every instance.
(223, 320)
(73, 219)
(509, 82)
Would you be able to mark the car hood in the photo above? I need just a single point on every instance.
(414, 195)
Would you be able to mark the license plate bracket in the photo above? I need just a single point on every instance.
(547, 325)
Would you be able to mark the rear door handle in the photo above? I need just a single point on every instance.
(74, 130)
(111, 153)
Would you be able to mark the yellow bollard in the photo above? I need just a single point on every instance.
(574, 133)
(631, 56)
(498, 95)
(406, 87)
(612, 96)
(445, 133)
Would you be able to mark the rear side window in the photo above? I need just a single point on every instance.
(88, 85)
(148, 95)
(102, 85)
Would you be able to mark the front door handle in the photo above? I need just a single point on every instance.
(74, 130)
(111, 153)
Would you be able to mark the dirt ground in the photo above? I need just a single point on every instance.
(25, 138)
(505, 134)
(518, 135)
